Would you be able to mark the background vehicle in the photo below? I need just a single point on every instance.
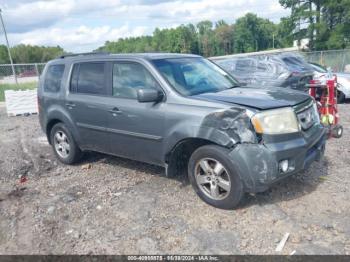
(277, 70)
(181, 112)
(343, 81)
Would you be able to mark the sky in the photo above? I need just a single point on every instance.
(84, 25)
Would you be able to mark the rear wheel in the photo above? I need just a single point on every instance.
(214, 177)
(63, 144)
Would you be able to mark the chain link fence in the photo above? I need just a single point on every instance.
(25, 73)
(338, 60)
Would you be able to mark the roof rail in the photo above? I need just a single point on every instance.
(82, 54)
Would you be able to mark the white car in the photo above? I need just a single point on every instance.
(343, 80)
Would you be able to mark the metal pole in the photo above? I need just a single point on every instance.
(343, 64)
(8, 47)
(273, 41)
(37, 71)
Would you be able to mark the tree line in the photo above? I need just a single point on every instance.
(29, 54)
(326, 23)
(249, 33)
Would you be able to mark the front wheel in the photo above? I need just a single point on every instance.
(214, 177)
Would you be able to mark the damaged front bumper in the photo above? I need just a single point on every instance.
(258, 165)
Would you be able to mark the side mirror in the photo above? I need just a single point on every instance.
(149, 95)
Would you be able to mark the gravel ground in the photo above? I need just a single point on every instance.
(110, 205)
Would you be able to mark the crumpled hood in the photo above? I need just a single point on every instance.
(259, 98)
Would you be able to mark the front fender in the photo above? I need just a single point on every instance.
(225, 128)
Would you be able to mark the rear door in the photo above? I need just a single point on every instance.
(85, 102)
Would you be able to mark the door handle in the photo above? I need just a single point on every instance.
(115, 111)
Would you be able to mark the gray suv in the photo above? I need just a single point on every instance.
(181, 112)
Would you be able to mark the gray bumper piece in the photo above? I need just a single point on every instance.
(258, 164)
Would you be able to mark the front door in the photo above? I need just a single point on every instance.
(136, 129)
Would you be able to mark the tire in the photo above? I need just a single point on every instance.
(59, 144)
(212, 191)
(337, 131)
(340, 97)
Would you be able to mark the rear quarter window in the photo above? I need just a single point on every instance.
(53, 78)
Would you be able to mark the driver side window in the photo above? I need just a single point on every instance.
(128, 77)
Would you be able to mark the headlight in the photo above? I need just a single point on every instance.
(277, 121)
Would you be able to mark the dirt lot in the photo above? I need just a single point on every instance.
(117, 206)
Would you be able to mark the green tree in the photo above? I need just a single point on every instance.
(284, 36)
(253, 33)
(301, 13)
(224, 38)
(326, 23)
(206, 40)
(4, 57)
(34, 54)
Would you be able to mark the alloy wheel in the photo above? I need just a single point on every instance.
(61, 143)
(212, 178)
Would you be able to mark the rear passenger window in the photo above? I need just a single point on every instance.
(53, 78)
(89, 78)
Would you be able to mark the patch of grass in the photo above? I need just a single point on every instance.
(21, 86)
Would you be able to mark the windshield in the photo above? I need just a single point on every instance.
(192, 76)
